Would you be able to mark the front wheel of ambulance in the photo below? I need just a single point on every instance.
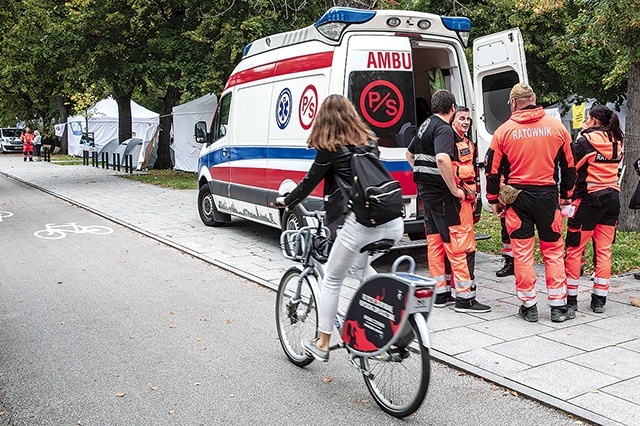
(292, 219)
(209, 214)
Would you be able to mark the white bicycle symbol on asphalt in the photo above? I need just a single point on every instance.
(56, 232)
(5, 214)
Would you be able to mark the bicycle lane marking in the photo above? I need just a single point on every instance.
(4, 214)
(56, 232)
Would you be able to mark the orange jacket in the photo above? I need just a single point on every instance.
(27, 138)
(597, 160)
(527, 151)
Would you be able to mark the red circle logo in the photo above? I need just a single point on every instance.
(381, 103)
(308, 106)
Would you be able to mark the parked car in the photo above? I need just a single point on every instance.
(10, 139)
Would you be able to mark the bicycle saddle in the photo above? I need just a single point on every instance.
(379, 246)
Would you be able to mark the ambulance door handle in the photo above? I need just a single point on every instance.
(224, 152)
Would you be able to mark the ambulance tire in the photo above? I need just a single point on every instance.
(209, 214)
(292, 219)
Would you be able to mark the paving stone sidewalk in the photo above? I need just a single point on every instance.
(588, 366)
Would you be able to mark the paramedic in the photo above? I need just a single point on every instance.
(27, 144)
(532, 151)
(336, 127)
(596, 199)
(443, 168)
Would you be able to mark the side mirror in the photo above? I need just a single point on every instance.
(200, 132)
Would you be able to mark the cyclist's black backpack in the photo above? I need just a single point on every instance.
(376, 197)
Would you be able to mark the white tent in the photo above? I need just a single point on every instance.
(103, 123)
(185, 117)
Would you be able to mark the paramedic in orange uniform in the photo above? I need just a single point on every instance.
(443, 167)
(596, 199)
(532, 152)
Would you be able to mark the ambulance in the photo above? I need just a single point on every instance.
(387, 62)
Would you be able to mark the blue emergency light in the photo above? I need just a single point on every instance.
(460, 24)
(336, 19)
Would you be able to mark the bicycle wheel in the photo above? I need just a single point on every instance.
(50, 235)
(98, 230)
(398, 381)
(296, 315)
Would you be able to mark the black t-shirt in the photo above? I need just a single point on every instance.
(435, 136)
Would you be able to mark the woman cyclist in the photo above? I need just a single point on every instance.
(336, 128)
(596, 198)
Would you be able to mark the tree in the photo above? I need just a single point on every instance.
(603, 59)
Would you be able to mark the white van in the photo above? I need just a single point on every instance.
(387, 62)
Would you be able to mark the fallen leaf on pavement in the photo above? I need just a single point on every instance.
(120, 395)
(154, 388)
(635, 301)
(364, 401)
(327, 379)
(172, 326)
(172, 411)
(199, 339)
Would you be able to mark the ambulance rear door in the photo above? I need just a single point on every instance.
(379, 80)
(498, 64)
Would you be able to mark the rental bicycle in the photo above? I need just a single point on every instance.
(384, 330)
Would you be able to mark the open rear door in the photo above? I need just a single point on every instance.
(498, 64)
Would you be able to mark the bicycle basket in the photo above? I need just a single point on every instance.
(293, 245)
(321, 248)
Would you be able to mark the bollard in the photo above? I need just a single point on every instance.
(94, 159)
(46, 154)
(130, 163)
(117, 163)
(85, 158)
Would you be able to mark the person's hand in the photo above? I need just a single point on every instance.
(498, 209)
(459, 194)
(565, 201)
(280, 202)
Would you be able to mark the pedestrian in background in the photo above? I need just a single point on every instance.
(37, 144)
(27, 144)
(596, 200)
(443, 168)
(527, 151)
(336, 130)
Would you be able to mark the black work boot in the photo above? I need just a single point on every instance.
(597, 303)
(562, 313)
(572, 302)
(529, 314)
(507, 269)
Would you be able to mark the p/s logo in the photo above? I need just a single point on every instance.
(381, 103)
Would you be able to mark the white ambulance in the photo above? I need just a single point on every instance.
(387, 62)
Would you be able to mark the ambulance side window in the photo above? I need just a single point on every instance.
(495, 94)
(221, 121)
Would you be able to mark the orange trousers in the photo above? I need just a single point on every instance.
(451, 239)
(537, 210)
(592, 221)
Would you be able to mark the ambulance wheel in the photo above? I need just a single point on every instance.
(209, 214)
(292, 219)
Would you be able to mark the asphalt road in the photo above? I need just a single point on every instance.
(118, 329)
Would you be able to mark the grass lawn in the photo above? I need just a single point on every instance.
(167, 178)
(65, 160)
(626, 249)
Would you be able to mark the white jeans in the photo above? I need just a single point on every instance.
(344, 255)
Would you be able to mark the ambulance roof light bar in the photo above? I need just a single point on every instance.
(333, 23)
(460, 24)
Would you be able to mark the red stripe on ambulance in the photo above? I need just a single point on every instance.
(287, 66)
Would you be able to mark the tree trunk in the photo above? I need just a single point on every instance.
(64, 116)
(171, 98)
(124, 117)
(630, 219)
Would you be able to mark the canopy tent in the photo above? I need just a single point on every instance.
(567, 117)
(103, 123)
(185, 117)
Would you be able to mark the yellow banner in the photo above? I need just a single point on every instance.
(578, 115)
